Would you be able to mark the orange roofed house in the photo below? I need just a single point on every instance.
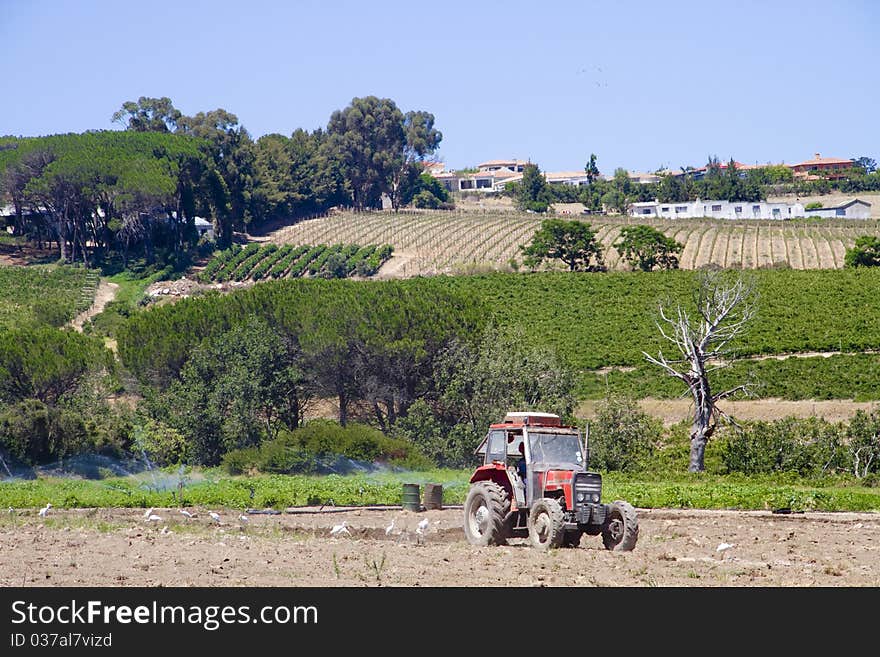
(822, 167)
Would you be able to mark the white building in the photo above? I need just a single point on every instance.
(854, 209)
(717, 210)
(204, 227)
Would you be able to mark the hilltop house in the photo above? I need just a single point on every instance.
(826, 167)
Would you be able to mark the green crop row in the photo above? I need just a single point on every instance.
(703, 491)
(256, 262)
(218, 262)
(282, 266)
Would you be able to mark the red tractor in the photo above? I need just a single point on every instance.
(548, 496)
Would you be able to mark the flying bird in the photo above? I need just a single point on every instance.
(186, 513)
(389, 528)
(340, 529)
(214, 516)
(45, 510)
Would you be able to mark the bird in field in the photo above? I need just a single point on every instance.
(214, 516)
(243, 518)
(165, 531)
(389, 528)
(185, 513)
(340, 529)
(723, 546)
(45, 510)
(422, 527)
(154, 518)
(11, 510)
(148, 512)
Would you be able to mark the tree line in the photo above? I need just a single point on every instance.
(719, 182)
(104, 193)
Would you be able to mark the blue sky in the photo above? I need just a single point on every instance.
(641, 84)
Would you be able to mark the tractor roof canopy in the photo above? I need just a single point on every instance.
(531, 418)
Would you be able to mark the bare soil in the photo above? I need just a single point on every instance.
(672, 411)
(681, 548)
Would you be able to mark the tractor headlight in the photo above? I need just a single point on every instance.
(580, 497)
(595, 497)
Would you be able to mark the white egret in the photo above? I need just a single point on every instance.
(340, 529)
(389, 528)
(148, 512)
(45, 510)
(422, 527)
(186, 513)
(723, 546)
(154, 518)
(214, 516)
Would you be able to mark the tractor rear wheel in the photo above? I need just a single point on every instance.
(621, 530)
(485, 510)
(546, 524)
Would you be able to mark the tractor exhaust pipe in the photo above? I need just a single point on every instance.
(587, 446)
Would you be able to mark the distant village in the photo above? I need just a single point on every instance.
(494, 175)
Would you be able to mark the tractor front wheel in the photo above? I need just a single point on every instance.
(485, 509)
(546, 524)
(621, 530)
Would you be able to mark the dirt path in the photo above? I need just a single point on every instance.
(671, 411)
(118, 547)
(395, 267)
(105, 293)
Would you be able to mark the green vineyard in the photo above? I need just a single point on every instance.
(44, 294)
(256, 262)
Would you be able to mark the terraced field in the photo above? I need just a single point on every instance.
(427, 242)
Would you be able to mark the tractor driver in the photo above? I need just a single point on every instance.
(521, 462)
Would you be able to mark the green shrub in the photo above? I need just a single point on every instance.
(863, 444)
(51, 313)
(815, 205)
(622, 436)
(808, 447)
(36, 433)
(324, 446)
(162, 444)
(865, 252)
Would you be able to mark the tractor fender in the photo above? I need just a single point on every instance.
(496, 472)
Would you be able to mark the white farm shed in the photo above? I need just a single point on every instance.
(855, 209)
(717, 210)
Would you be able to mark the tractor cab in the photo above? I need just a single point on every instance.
(543, 441)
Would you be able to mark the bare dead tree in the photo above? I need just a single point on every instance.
(724, 311)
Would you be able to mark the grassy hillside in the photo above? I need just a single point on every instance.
(437, 241)
(44, 294)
